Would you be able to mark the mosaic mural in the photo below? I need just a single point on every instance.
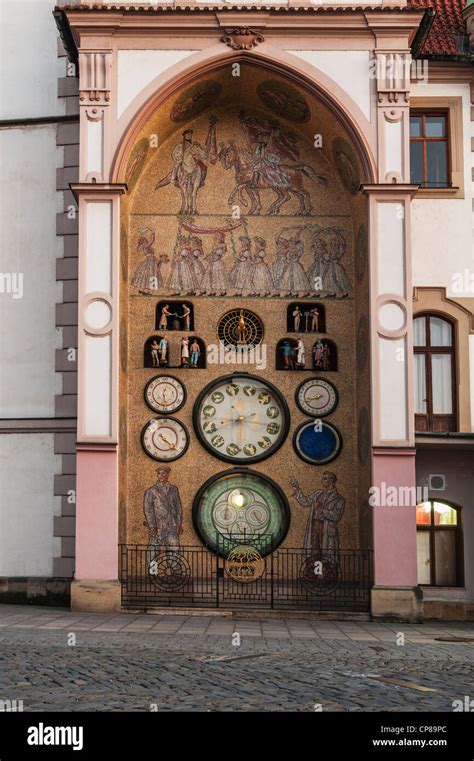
(237, 223)
(227, 252)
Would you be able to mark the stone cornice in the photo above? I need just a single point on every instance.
(106, 21)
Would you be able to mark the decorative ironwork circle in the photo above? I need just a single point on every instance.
(240, 328)
(320, 574)
(169, 571)
(244, 564)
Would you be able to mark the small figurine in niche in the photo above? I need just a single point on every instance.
(314, 314)
(195, 351)
(185, 352)
(155, 357)
(318, 354)
(299, 349)
(163, 351)
(165, 313)
(322, 355)
(326, 357)
(288, 355)
(186, 317)
(297, 314)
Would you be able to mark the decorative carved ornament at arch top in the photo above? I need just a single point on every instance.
(242, 38)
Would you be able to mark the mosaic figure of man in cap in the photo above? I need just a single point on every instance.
(190, 168)
(163, 511)
(326, 510)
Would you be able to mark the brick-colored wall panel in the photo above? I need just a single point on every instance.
(64, 484)
(66, 361)
(68, 86)
(64, 526)
(67, 225)
(66, 269)
(71, 155)
(68, 133)
(70, 291)
(69, 464)
(69, 336)
(69, 383)
(68, 547)
(68, 201)
(64, 567)
(72, 106)
(65, 405)
(65, 443)
(70, 247)
(67, 507)
(65, 175)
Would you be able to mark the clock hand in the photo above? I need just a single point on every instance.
(312, 398)
(167, 441)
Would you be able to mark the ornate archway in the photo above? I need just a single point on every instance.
(243, 197)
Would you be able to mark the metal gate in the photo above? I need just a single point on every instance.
(243, 576)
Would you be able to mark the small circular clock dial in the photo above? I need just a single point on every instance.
(165, 394)
(316, 397)
(240, 418)
(165, 439)
(317, 443)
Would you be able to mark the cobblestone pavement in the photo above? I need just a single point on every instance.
(56, 660)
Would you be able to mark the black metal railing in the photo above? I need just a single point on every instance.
(154, 576)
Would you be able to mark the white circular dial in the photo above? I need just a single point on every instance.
(165, 393)
(241, 418)
(316, 397)
(165, 439)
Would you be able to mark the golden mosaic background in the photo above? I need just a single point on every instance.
(335, 205)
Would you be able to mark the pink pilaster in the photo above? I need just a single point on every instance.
(395, 526)
(97, 518)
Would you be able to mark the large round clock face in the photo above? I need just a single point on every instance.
(317, 443)
(239, 507)
(240, 418)
(165, 394)
(316, 397)
(165, 439)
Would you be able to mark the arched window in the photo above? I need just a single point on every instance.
(439, 544)
(434, 374)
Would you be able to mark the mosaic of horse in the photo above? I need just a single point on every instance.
(263, 171)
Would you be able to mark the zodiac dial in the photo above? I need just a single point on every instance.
(165, 439)
(240, 328)
(240, 418)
